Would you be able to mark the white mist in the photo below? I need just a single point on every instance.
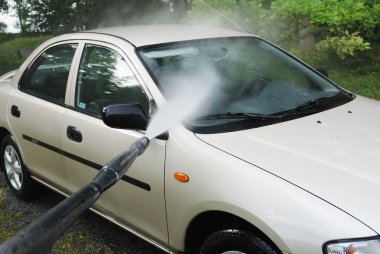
(185, 94)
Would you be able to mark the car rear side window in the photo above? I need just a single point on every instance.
(47, 76)
(105, 78)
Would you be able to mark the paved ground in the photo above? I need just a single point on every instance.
(89, 234)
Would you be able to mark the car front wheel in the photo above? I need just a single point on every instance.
(235, 241)
(16, 175)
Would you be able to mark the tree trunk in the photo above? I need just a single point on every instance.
(20, 15)
(306, 37)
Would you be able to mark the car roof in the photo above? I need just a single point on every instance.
(143, 35)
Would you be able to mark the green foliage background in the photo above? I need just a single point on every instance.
(11, 49)
(341, 36)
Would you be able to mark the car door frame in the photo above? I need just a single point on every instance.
(24, 140)
(112, 43)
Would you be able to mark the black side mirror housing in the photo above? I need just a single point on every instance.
(125, 116)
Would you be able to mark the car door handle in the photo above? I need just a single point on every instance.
(15, 111)
(74, 134)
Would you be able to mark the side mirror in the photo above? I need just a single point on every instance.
(125, 116)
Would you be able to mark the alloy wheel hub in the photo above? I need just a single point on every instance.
(13, 167)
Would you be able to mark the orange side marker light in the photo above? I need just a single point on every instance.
(181, 177)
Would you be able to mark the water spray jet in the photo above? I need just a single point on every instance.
(40, 236)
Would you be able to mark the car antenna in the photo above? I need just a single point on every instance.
(224, 16)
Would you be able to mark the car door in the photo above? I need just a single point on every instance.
(36, 112)
(137, 200)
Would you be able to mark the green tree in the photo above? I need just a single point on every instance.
(131, 12)
(3, 6)
(342, 26)
(71, 15)
(22, 8)
(3, 27)
(254, 16)
(178, 8)
(58, 15)
(81, 14)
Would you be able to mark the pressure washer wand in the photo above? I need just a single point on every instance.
(39, 237)
(116, 168)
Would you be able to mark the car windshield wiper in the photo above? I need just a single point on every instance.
(312, 106)
(318, 104)
(243, 115)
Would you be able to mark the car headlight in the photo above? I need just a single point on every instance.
(357, 246)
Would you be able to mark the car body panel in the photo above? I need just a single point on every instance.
(336, 156)
(157, 34)
(36, 128)
(5, 92)
(39, 124)
(222, 182)
(140, 207)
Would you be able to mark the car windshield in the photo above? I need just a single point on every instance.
(257, 83)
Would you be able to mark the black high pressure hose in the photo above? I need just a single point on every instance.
(39, 236)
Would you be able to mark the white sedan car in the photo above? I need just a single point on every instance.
(278, 159)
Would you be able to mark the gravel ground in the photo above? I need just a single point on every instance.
(89, 234)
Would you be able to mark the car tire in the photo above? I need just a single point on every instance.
(235, 241)
(16, 175)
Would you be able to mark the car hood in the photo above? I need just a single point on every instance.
(334, 155)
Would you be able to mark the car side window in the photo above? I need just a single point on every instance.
(47, 76)
(105, 78)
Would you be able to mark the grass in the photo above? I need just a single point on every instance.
(4, 216)
(25, 42)
(6, 230)
(11, 56)
(79, 242)
(359, 74)
(75, 240)
(7, 225)
(8, 215)
(3, 195)
(367, 85)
